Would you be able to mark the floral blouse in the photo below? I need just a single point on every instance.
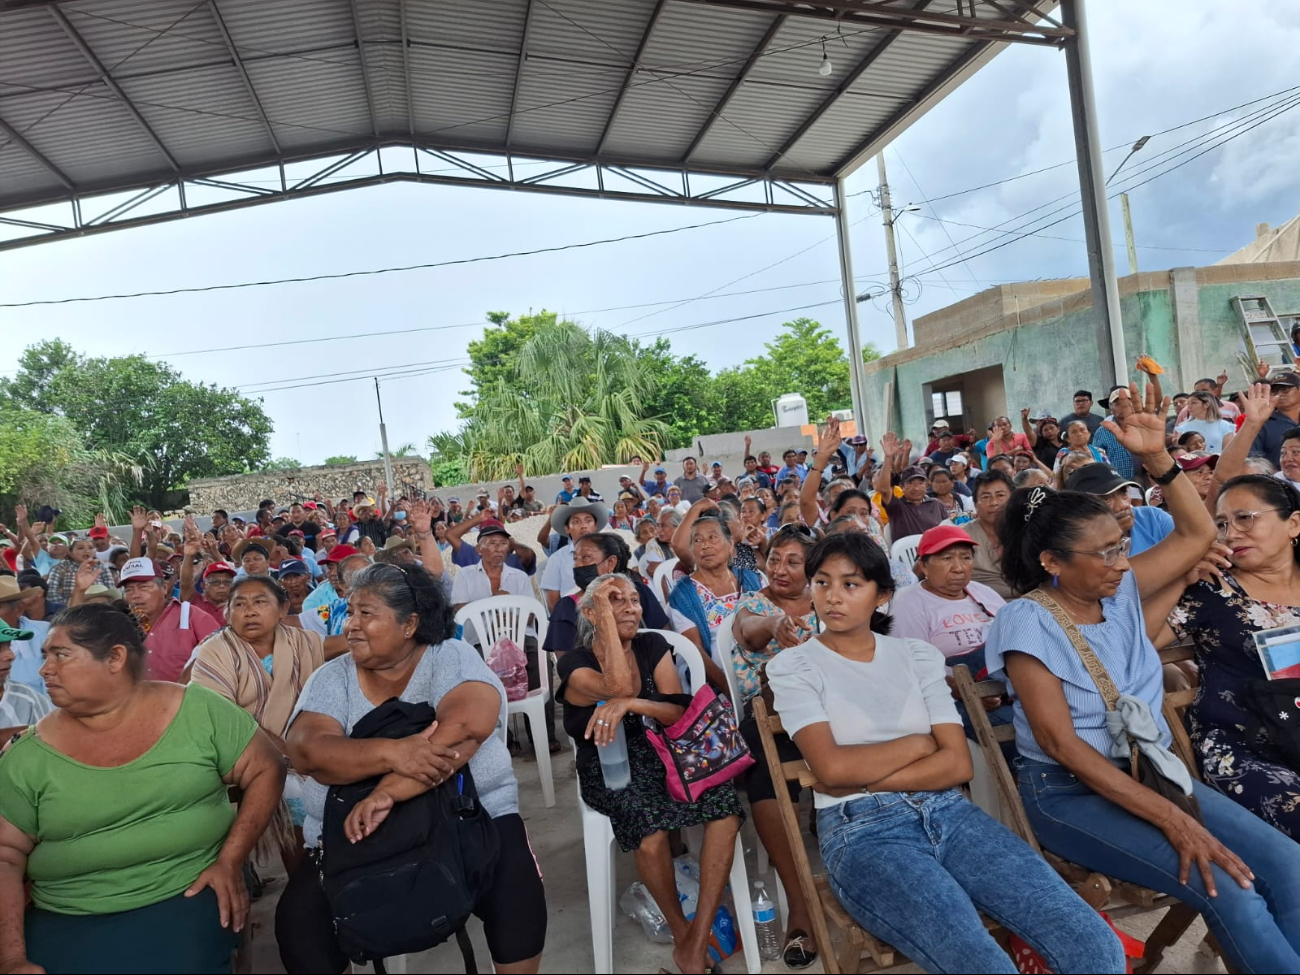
(747, 663)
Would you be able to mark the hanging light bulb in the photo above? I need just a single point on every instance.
(826, 67)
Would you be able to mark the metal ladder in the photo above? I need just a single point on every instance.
(1264, 339)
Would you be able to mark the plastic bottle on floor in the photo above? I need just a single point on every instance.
(613, 760)
(766, 925)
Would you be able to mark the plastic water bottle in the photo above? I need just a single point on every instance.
(613, 760)
(766, 926)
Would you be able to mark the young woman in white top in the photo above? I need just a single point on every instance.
(909, 857)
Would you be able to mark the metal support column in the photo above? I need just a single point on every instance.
(383, 442)
(1111, 355)
(857, 375)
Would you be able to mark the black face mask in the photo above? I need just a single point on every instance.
(585, 575)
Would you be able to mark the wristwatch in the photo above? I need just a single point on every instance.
(1167, 477)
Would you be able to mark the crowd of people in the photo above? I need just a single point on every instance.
(182, 702)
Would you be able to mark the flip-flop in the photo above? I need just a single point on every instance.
(796, 954)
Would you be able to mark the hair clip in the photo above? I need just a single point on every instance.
(1036, 497)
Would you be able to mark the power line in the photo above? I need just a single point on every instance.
(374, 271)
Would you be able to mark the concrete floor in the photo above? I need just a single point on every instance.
(556, 836)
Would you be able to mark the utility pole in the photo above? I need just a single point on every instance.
(1128, 234)
(857, 376)
(895, 288)
(383, 441)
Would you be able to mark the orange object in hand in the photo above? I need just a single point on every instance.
(1149, 365)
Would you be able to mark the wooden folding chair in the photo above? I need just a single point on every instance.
(860, 950)
(1176, 704)
(1118, 898)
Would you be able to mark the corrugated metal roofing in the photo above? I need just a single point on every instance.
(730, 86)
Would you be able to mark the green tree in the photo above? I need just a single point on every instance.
(282, 464)
(576, 400)
(447, 472)
(679, 392)
(340, 460)
(171, 428)
(405, 450)
(495, 356)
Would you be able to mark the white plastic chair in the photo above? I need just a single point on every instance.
(905, 549)
(507, 617)
(663, 580)
(598, 842)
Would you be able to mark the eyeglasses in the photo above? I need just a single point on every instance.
(1109, 556)
(795, 528)
(1243, 521)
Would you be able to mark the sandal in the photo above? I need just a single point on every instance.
(797, 954)
(555, 747)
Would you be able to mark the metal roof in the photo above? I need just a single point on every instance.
(101, 96)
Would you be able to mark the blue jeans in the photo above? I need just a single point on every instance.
(1258, 928)
(916, 868)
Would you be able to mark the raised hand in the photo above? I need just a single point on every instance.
(100, 522)
(829, 441)
(1024, 413)
(519, 469)
(139, 518)
(889, 444)
(420, 514)
(1256, 403)
(20, 516)
(193, 546)
(382, 492)
(1143, 433)
(87, 575)
(1221, 380)
(905, 448)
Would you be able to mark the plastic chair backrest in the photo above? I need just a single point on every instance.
(905, 549)
(503, 617)
(724, 642)
(663, 581)
(688, 653)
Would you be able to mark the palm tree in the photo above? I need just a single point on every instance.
(574, 404)
(405, 450)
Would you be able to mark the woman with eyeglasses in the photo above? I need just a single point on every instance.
(1067, 550)
(1206, 418)
(1258, 517)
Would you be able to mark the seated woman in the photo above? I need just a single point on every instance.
(633, 673)
(767, 622)
(114, 807)
(951, 611)
(646, 529)
(909, 857)
(960, 508)
(1081, 801)
(699, 602)
(261, 663)
(598, 554)
(1259, 519)
(400, 635)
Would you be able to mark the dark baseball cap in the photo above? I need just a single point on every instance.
(912, 473)
(1285, 379)
(1098, 479)
(490, 526)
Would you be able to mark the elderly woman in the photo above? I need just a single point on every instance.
(401, 640)
(699, 602)
(1067, 549)
(62, 580)
(1258, 517)
(959, 507)
(618, 676)
(910, 858)
(1078, 440)
(115, 809)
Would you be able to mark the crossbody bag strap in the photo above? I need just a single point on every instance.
(1096, 669)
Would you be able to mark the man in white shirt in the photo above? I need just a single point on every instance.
(577, 518)
(103, 544)
(490, 576)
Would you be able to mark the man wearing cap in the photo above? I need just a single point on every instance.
(1199, 467)
(295, 579)
(1144, 525)
(326, 592)
(217, 579)
(103, 544)
(21, 705)
(27, 649)
(1082, 410)
(628, 486)
(915, 511)
(692, 483)
(1120, 404)
(520, 556)
(173, 629)
(254, 557)
(586, 490)
(945, 448)
(327, 619)
(566, 492)
(367, 524)
(1285, 391)
(396, 551)
(575, 520)
(659, 485)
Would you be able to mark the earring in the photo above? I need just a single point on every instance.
(1056, 581)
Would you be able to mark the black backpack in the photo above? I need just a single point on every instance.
(414, 882)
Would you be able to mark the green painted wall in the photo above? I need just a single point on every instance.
(1044, 362)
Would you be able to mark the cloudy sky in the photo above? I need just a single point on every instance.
(1158, 65)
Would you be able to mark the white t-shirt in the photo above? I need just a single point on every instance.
(103, 556)
(954, 626)
(1212, 430)
(472, 583)
(902, 691)
(558, 574)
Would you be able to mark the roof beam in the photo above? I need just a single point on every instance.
(365, 68)
(243, 73)
(80, 43)
(406, 70)
(829, 102)
(519, 70)
(17, 138)
(1033, 10)
(847, 13)
(734, 87)
(631, 73)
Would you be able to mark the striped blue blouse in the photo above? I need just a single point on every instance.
(1120, 642)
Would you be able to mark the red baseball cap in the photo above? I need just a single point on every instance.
(938, 538)
(99, 531)
(219, 567)
(340, 552)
